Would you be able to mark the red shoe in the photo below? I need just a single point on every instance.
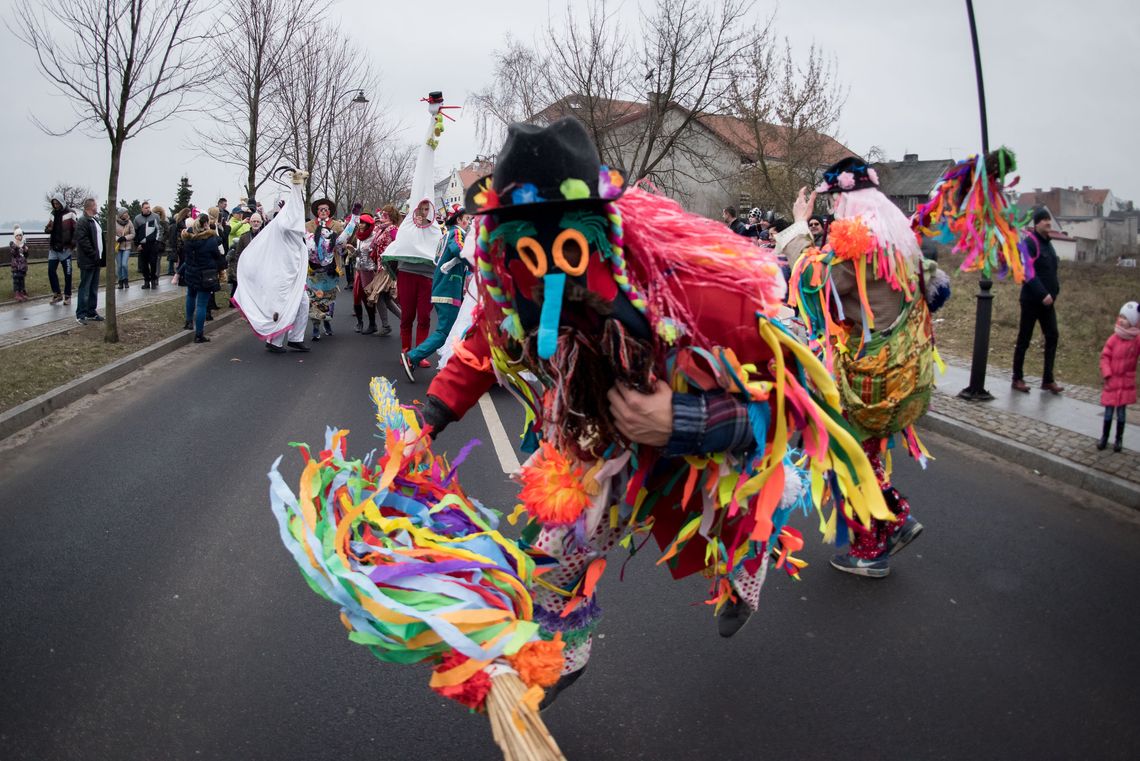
(425, 364)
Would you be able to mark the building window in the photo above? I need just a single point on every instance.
(910, 204)
(745, 203)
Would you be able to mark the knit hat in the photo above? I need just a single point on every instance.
(17, 232)
(1131, 312)
(1040, 215)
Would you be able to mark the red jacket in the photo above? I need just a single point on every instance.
(726, 319)
(1118, 368)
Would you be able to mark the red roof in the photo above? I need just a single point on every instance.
(739, 134)
(735, 132)
(472, 172)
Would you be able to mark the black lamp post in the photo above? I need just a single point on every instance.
(976, 391)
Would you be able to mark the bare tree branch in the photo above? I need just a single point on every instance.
(124, 66)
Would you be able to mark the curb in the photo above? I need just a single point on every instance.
(1104, 485)
(35, 410)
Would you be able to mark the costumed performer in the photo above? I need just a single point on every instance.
(664, 396)
(381, 291)
(868, 316)
(366, 262)
(446, 291)
(271, 272)
(326, 238)
(413, 251)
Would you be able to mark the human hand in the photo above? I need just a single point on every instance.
(804, 206)
(1047, 301)
(643, 418)
(356, 207)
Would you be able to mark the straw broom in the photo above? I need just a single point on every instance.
(515, 724)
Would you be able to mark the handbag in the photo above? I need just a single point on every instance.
(887, 387)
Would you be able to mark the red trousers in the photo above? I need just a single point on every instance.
(414, 292)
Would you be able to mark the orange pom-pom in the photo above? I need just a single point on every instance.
(539, 662)
(553, 489)
(850, 239)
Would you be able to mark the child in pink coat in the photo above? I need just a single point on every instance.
(1118, 368)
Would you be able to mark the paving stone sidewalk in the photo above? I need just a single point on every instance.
(1040, 435)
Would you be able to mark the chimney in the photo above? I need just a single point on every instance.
(910, 158)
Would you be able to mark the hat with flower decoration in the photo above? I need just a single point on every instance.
(851, 173)
(556, 165)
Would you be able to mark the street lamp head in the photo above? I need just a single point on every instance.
(360, 99)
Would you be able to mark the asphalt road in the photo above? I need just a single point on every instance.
(148, 610)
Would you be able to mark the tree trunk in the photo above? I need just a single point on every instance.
(251, 157)
(111, 331)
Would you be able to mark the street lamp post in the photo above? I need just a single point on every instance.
(357, 100)
(976, 391)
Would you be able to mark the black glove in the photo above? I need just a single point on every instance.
(121, 238)
(356, 208)
(437, 415)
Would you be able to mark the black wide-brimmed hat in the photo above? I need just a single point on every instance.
(851, 173)
(545, 166)
(323, 202)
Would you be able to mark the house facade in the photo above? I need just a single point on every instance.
(452, 189)
(1103, 228)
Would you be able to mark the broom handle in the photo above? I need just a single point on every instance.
(531, 742)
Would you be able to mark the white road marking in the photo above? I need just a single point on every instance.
(508, 460)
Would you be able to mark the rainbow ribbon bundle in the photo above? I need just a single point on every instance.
(969, 207)
(418, 568)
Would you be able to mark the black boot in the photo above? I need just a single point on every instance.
(358, 310)
(563, 682)
(1104, 435)
(371, 321)
(1118, 445)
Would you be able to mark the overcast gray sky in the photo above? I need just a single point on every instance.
(1061, 81)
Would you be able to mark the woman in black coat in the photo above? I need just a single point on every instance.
(202, 257)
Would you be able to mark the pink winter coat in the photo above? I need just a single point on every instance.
(1118, 368)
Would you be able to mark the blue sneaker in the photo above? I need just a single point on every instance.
(906, 534)
(875, 569)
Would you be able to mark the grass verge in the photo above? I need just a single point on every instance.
(36, 367)
(1091, 297)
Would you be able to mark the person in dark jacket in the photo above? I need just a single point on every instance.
(1038, 297)
(61, 245)
(174, 239)
(446, 291)
(90, 257)
(734, 223)
(201, 249)
(148, 234)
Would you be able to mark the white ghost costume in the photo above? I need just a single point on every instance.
(271, 275)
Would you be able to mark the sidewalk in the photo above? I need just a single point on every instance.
(35, 319)
(1065, 426)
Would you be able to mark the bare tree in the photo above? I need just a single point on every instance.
(256, 50)
(791, 111)
(519, 89)
(314, 100)
(73, 195)
(642, 106)
(125, 66)
(391, 178)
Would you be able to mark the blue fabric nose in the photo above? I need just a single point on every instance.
(554, 284)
